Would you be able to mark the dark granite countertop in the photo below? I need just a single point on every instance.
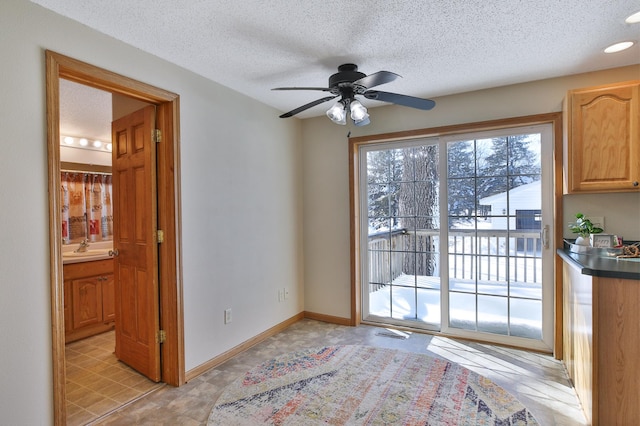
(602, 266)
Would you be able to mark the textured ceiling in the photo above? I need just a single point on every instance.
(84, 111)
(439, 47)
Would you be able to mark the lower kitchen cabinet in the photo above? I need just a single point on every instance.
(88, 299)
(601, 343)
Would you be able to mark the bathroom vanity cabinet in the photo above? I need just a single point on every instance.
(89, 299)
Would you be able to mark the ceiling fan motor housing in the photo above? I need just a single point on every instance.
(347, 73)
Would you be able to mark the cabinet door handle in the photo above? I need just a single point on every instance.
(114, 253)
(635, 183)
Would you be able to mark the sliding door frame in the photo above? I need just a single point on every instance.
(356, 209)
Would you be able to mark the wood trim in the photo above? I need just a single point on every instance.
(52, 98)
(480, 126)
(554, 118)
(90, 75)
(328, 318)
(170, 255)
(225, 356)
(558, 242)
(170, 271)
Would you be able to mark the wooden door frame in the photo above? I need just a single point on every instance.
(169, 259)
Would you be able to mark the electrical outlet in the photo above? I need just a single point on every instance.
(286, 293)
(227, 316)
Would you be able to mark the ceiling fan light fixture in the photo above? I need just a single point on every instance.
(347, 83)
(362, 122)
(359, 114)
(337, 113)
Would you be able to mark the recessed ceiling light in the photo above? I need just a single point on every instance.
(84, 142)
(97, 144)
(68, 140)
(618, 47)
(109, 147)
(633, 19)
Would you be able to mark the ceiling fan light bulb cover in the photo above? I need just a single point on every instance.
(337, 114)
(362, 122)
(358, 112)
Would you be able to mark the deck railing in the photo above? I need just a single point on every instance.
(486, 255)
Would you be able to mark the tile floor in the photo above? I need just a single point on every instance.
(97, 383)
(538, 381)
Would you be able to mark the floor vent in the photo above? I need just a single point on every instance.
(396, 334)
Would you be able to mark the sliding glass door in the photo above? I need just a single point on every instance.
(455, 235)
(403, 234)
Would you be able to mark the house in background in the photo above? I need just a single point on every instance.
(264, 202)
(522, 202)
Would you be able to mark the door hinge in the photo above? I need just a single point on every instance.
(161, 336)
(156, 135)
(159, 236)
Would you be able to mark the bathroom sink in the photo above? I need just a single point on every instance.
(88, 253)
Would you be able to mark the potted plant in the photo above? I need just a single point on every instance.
(583, 227)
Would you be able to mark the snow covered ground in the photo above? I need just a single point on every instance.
(403, 300)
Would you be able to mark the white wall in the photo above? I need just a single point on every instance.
(326, 179)
(241, 204)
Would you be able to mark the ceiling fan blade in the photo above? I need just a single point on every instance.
(307, 106)
(404, 100)
(324, 89)
(376, 79)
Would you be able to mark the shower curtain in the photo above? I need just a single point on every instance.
(87, 210)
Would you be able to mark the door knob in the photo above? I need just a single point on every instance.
(114, 252)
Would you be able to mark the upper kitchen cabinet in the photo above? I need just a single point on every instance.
(602, 139)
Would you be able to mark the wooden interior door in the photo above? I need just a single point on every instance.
(134, 238)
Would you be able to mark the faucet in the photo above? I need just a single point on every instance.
(84, 245)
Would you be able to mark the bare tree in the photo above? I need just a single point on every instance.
(419, 208)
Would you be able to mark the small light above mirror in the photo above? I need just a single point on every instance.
(85, 143)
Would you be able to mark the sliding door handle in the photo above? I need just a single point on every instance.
(544, 235)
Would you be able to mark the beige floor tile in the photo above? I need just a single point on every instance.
(103, 406)
(94, 374)
(80, 418)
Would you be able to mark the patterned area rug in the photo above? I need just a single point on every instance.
(361, 385)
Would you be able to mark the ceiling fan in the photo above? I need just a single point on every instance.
(349, 82)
